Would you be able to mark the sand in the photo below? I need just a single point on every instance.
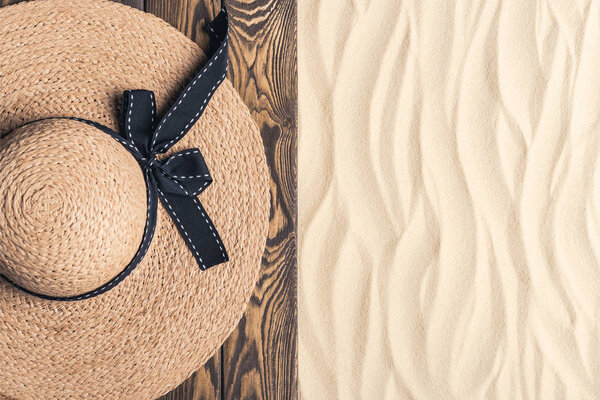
(448, 188)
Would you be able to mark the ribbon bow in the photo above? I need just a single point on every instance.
(179, 179)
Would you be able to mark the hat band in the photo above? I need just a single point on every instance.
(179, 179)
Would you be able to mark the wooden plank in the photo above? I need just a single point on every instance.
(260, 357)
(189, 16)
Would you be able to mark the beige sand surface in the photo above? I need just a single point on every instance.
(449, 191)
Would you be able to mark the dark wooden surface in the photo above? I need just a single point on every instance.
(259, 360)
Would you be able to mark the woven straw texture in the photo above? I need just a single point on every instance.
(144, 337)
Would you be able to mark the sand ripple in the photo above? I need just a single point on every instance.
(449, 186)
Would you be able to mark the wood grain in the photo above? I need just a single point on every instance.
(188, 16)
(259, 359)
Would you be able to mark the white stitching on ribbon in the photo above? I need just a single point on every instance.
(153, 107)
(129, 115)
(181, 100)
(187, 153)
(197, 202)
(186, 236)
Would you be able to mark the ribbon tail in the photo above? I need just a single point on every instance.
(217, 30)
(201, 236)
(194, 99)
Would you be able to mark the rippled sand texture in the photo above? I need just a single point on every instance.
(449, 190)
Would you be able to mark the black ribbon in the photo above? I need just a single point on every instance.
(183, 176)
(180, 178)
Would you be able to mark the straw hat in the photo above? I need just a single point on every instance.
(123, 269)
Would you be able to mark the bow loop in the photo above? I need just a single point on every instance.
(139, 114)
(185, 173)
(186, 164)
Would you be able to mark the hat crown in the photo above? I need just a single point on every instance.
(72, 207)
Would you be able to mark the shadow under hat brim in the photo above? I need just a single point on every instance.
(144, 337)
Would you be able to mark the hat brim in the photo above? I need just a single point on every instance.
(147, 335)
